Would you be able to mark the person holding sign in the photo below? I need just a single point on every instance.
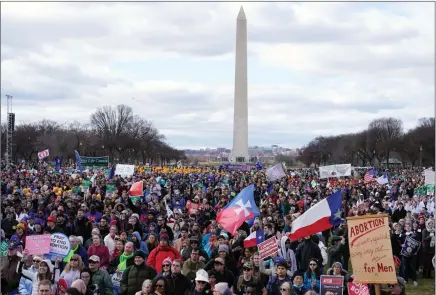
(408, 255)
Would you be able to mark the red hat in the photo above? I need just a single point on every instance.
(51, 218)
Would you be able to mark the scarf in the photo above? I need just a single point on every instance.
(123, 261)
(70, 254)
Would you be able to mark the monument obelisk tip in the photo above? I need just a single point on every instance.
(241, 14)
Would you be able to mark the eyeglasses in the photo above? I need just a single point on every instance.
(246, 269)
(92, 262)
(159, 286)
(166, 265)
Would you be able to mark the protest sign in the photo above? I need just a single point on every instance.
(331, 285)
(38, 244)
(411, 247)
(334, 171)
(59, 246)
(124, 170)
(429, 177)
(268, 248)
(94, 162)
(370, 249)
(116, 280)
(3, 249)
(355, 288)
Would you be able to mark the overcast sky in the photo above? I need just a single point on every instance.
(314, 68)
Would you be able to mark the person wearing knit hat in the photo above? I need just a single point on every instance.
(134, 275)
(221, 289)
(166, 266)
(162, 252)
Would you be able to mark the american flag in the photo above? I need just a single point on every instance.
(369, 176)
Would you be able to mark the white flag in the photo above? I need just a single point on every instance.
(275, 172)
(43, 154)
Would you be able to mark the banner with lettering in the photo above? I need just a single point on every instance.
(59, 246)
(38, 244)
(331, 285)
(94, 162)
(411, 247)
(371, 250)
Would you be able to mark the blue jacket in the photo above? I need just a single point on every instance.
(308, 282)
(26, 285)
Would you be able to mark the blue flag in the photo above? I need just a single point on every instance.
(58, 162)
(78, 161)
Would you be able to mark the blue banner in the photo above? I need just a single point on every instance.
(58, 163)
(78, 161)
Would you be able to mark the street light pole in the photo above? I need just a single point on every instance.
(420, 156)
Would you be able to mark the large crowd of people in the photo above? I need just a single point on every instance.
(168, 241)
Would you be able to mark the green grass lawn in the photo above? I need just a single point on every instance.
(425, 287)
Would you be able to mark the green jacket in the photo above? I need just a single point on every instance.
(102, 279)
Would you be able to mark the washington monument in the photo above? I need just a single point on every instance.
(240, 116)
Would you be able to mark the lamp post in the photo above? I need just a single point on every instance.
(420, 155)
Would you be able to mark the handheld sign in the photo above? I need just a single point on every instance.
(59, 246)
(355, 288)
(411, 247)
(38, 244)
(371, 250)
(331, 285)
(268, 248)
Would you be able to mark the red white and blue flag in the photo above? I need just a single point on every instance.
(242, 208)
(320, 217)
(254, 239)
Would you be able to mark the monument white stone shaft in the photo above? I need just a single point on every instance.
(240, 116)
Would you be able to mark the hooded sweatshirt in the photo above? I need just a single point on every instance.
(288, 255)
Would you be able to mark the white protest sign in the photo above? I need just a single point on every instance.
(339, 170)
(124, 170)
(429, 177)
(59, 246)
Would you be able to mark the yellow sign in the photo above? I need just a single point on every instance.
(371, 250)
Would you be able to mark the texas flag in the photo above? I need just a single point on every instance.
(254, 239)
(320, 217)
(240, 209)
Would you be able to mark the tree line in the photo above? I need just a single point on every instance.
(112, 131)
(384, 140)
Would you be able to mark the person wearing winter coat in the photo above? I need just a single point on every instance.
(138, 243)
(428, 247)
(306, 250)
(201, 286)
(279, 277)
(135, 275)
(335, 250)
(25, 286)
(288, 255)
(323, 248)
(100, 280)
(193, 264)
(100, 250)
(161, 252)
(338, 270)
